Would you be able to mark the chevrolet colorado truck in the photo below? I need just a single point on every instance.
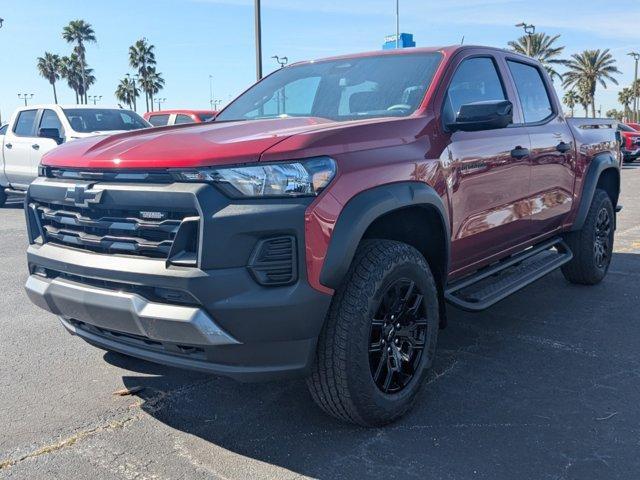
(320, 224)
(36, 129)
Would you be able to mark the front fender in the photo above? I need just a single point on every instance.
(362, 210)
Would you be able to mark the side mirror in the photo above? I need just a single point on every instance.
(488, 115)
(52, 133)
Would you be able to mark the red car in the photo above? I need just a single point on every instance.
(163, 118)
(630, 146)
(635, 126)
(319, 225)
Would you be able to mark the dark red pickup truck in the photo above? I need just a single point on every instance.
(317, 227)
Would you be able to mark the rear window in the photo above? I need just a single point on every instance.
(25, 123)
(87, 120)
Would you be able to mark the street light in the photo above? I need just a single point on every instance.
(258, 34)
(25, 97)
(529, 30)
(1, 22)
(160, 101)
(95, 98)
(282, 61)
(133, 79)
(397, 24)
(635, 86)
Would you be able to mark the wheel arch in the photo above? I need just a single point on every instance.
(388, 212)
(603, 173)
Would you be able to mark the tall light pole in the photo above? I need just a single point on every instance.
(529, 30)
(397, 23)
(282, 61)
(1, 22)
(212, 103)
(133, 80)
(25, 97)
(258, 33)
(160, 101)
(95, 98)
(635, 87)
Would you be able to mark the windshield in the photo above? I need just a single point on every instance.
(348, 89)
(87, 120)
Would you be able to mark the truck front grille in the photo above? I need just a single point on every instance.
(102, 230)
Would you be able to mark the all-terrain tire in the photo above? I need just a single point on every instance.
(592, 245)
(342, 380)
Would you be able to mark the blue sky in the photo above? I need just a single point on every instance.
(196, 38)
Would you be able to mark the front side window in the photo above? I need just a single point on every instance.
(89, 120)
(25, 123)
(159, 120)
(475, 80)
(50, 120)
(340, 90)
(3, 130)
(532, 92)
(180, 118)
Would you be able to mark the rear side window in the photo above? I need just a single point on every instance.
(533, 95)
(159, 120)
(476, 80)
(3, 129)
(25, 123)
(183, 119)
(50, 120)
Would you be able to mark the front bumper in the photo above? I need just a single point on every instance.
(225, 322)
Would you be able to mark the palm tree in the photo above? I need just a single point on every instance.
(625, 97)
(49, 68)
(541, 47)
(127, 91)
(70, 71)
(141, 56)
(590, 68)
(571, 99)
(80, 33)
(151, 82)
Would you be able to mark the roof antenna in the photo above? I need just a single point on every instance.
(462, 41)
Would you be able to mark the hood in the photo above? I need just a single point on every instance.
(183, 146)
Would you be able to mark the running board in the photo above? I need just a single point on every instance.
(15, 193)
(491, 284)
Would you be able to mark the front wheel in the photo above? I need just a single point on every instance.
(379, 338)
(592, 245)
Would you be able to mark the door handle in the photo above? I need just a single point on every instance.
(519, 153)
(35, 146)
(564, 147)
(8, 145)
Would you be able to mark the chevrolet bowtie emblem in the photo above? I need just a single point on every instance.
(81, 197)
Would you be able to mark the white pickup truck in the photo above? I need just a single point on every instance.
(34, 130)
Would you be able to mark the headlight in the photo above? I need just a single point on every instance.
(291, 179)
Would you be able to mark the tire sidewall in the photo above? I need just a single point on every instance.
(602, 202)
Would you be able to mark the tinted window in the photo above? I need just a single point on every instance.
(3, 129)
(25, 123)
(183, 119)
(205, 117)
(50, 120)
(533, 95)
(159, 120)
(475, 80)
(344, 89)
(103, 120)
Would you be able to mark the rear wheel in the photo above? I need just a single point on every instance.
(379, 338)
(592, 246)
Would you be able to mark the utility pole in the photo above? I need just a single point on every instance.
(529, 30)
(258, 34)
(160, 101)
(635, 87)
(25, 97)
(397, 23)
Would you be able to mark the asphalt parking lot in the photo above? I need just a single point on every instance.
(545, 385)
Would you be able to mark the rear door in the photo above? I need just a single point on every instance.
(46, 119)
(490, 169)
(552, 147)
(19, 145)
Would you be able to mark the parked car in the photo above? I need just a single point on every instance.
(163, 118)
(635, 126)
(319, 233)
(630, 143)
(34, 130)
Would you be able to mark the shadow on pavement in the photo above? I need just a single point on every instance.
(542, 385)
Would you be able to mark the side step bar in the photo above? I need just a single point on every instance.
(15, 193)
(491, 284)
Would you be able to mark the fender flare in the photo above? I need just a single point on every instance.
(362, 210)
(600, 163)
